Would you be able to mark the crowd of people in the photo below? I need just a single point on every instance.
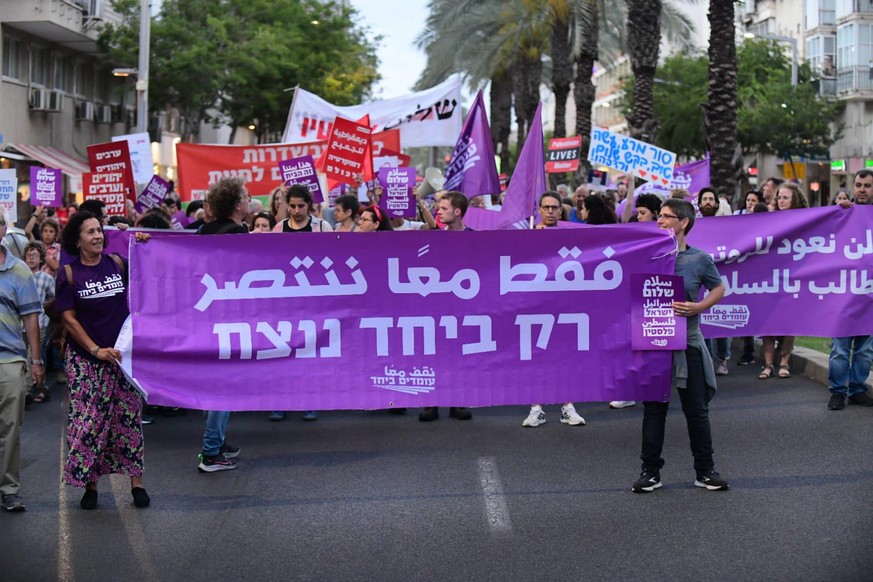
(52, 318)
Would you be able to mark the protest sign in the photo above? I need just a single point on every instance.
(597, 180)
(46, 187)
(629, 155)
(398, 185)
(426, 322)
(9, 195)
(654, 325)
(108, 187)
(472, 169)
(432, 117)
(257, 165)
(346, 151)
(140, 155)
(302, 171)
(153, 194)
(563, 154)
(386, 141)
(114, 158)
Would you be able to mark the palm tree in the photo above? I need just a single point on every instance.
(720, 114)
(644, 40)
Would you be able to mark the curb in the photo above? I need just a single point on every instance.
(804, 361)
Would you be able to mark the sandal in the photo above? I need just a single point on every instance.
(766, 372)
(42, 395)
(784, 371)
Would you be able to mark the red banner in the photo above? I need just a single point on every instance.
(201, 165)
(563, 154)
(112, 158)
(108, 187)
(347, 151)
(386, 140)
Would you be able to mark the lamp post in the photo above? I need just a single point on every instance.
(142, 76)
(790, 40)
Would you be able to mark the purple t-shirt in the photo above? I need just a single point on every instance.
(99, 296)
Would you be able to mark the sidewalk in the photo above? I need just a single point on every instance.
(805, 361)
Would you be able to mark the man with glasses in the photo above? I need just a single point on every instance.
(851, 357)
(19, 302)
(550, 209)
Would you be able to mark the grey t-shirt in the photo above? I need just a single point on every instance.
(698, 270)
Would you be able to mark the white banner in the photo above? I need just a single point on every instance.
(428, 118)
(9, 195)
(140, 156)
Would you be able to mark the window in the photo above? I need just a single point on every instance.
(39, 67)
(11, 58)
(847, 7)
(821, 54)
(85, 79)
(846, 50)
(59, 71)
(820, 13)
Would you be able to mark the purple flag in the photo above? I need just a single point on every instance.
(529, 178)
(654, 325)
(302, 171)
(472, 169)
(153, 194)
(268, 326)
(397, 191)
(46, 187)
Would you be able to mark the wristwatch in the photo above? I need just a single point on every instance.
(37, 363)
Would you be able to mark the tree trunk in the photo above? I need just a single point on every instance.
(722, 109)
(644, 39)
(562, 73)
(583, 87)
(500, 99)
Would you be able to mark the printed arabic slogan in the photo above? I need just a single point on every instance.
(804, 272)
(342, 322)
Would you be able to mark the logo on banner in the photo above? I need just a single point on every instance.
(726, 316)
(418, 381)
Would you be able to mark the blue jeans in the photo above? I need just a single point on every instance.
(842, 373)
(721, 350)
(213, 437)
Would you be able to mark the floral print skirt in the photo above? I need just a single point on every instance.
(104, 429)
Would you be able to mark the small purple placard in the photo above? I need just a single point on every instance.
(153, 194)
(654, 324)
(397, 191)
(46, 187)
(302, 171)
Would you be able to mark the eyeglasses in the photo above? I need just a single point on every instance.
(550, 208)
(2, 223)
(660, 216)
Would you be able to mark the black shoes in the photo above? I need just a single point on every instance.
(140, 497)
(861, 399)
(432, 413)
(836, 402)
(459, 413)
(428, 414)
(711, 481)
(649, 481)
(89, 500)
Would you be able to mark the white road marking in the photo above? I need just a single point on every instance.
(65, 560)
(496, 510)
(130, 519)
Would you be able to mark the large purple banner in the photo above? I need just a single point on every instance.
(357, 321)
(795, 272)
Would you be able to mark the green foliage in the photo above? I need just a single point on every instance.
(232, 61)
(773, 116)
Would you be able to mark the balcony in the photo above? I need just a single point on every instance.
(62, 22)
(854, 80)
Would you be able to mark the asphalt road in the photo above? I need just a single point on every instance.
(369, 496)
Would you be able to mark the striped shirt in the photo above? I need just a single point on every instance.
(18, 297)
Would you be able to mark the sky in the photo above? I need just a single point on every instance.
(399, 22)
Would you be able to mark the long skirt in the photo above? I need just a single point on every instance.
(104, 428)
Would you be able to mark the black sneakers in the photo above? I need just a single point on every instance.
(214, 464)
(429, 414)
(711, 481)
(229, 451)
(861, 399)
(836, 402)
(460, 413)
(11, 502)
(649, 481)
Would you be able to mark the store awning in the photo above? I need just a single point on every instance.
(53, 158)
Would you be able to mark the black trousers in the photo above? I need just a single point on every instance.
(696, 410)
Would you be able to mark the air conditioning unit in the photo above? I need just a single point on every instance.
(39, 99)
(55, 100)
(85, 111)
(104, 114)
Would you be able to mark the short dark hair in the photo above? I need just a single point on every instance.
(776, 181)
(865, 173)
(683, 210)
(649, 201)
(155, 219)
(265, 215)
(550, 194)
(704, 191)
(51, 223)
(35, 244)
(348, 203)
(299, 191)
(93, 206)
(598, 211)
(458, 200)
(70, 234)
(193, 207)
(224, 196)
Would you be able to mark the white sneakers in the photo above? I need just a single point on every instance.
(569, 416)
(622, 403)
(536, 416)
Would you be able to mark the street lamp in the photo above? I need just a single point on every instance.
(790, 40)
(142, 78)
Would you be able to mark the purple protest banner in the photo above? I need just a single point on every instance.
(397, 191)
(363, 322)
(471, 169)
(153, 194)
(794, 272)
(302, 171)
(653, 321)
(46, 187)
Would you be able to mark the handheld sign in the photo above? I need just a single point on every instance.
(153, 194)
(398, 185)
(108, 187)
(629, 155)
(46, 187)
(9, 195)
(114, 158)
(302, 171)
(563, 154)
(654, 325)
(597, 180)
(346, 150)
